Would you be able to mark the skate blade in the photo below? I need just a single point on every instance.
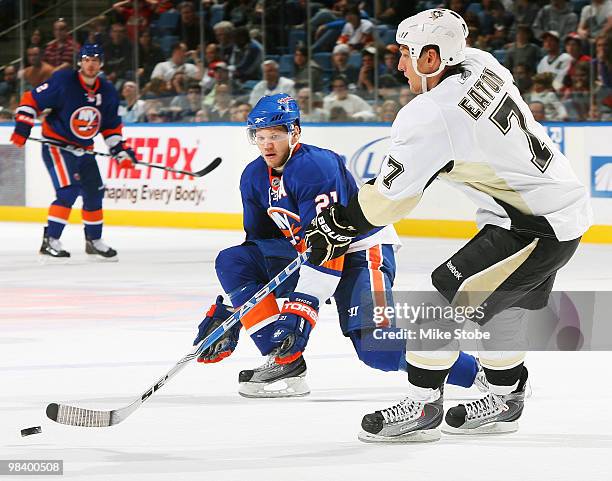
(493, 428)
(97, 258)
(290, 387)
(46, 260)
(422, 436)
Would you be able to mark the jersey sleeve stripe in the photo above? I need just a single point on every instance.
(114, 131)
(28, 100)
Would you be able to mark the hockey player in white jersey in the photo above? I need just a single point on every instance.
(469, 127)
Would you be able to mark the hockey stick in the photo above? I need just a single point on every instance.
(75, 416)
(80, 151)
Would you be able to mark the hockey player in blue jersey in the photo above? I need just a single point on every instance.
(82, 104)
(282, 191)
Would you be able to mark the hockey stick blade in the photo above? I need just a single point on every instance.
(91, 418)
(209, 168)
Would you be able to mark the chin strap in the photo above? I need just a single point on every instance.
(425, 76)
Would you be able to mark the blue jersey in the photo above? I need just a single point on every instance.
(78, 112)
(283, 204)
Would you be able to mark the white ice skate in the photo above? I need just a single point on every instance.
(272, 380)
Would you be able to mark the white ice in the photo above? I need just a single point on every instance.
(97, 335)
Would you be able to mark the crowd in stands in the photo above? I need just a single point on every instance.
(212, 60)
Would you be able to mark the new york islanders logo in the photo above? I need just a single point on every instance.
(85, 122)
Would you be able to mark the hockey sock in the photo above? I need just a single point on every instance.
(57, 219)
(93, 221)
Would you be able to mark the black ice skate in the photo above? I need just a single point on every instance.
(273, 380)
(98, 250)
(408, 421)
(492, 414)
(51, 248)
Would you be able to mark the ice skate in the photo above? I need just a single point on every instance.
(408, 421)
(98, 250)
(272, 380)
(492, 414)
(51, 250)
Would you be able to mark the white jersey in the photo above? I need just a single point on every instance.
(475, 132)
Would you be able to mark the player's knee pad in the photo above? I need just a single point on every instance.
(381, 356)
(67, 195)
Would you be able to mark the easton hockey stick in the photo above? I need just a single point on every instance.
(75, 416)
(80, 151)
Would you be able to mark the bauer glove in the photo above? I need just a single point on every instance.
(225, 345)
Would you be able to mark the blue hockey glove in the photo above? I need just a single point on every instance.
(292, 328)
(226, 344)
(125, 156)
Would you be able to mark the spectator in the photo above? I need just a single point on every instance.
(118, 56)
(355, 107)
(367, 73)
(220, 74)
(178, 83)
(317, 114)
(525, 13)
(220, 111)
(8, 86)
(522, 51)
(573, 46)
(186, 106)
(61, 50)
(538, 111)
(558, 17)
(211, 54)
(224, 36)
(391, 59)
(149, 55)
(37, 71)
(97, 31)
(577, 96)
(388, 111)
(240, 112)
(338, 114)
(405, 96)
(301, 66)
(188, 28)
(239, 12)
(155, 89)
(554, 62)
(132, 108)
(36, 39)
(543, 91)
(202, 115)
(397, 10)
(340, 65)
(522, 78)
(136, 15)
(272, 83)
(595, 19)
(6, 115)
(154, 114)
(165, 70)
(246, 56)
(357, 32)
(602, 63)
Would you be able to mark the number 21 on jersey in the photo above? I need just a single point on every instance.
(324, 200)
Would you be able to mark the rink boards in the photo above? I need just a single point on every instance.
(151, 197)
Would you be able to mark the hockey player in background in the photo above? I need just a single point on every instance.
(469, 127)
(82, 104)
(282, 191)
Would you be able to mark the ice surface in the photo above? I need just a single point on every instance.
(97, 335)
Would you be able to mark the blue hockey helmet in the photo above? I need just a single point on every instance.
(271, 111)
(91, 50)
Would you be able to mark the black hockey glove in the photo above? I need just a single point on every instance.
(328, 236)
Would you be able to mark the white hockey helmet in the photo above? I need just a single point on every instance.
(438, 26)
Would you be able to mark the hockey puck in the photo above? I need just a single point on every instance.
(29, 431)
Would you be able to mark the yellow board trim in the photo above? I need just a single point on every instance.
(454, 229)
